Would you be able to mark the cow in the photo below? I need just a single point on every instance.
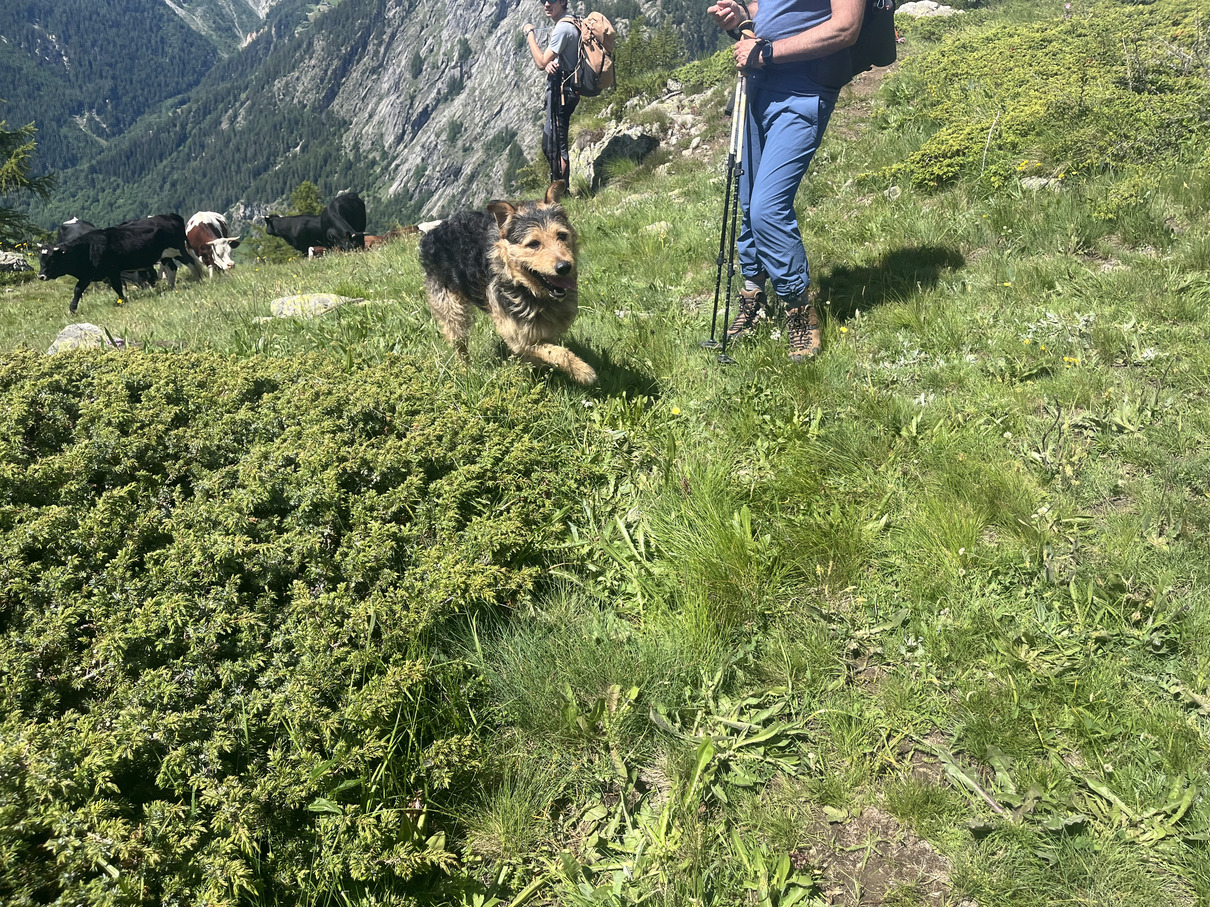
(299, 230)
(344, 223)
(211, 241)
(98, 255)
(146, 277)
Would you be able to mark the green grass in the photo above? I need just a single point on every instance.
(954, 571)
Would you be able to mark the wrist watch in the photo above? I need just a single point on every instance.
(766, 53)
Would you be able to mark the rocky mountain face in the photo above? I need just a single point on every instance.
(448, 99)
(228, 24)
(422, 108)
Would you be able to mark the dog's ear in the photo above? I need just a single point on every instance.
(502, 211)
(555, 192)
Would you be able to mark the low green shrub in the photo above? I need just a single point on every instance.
(1112, 87)
(221, 586)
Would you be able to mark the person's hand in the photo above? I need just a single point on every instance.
(552, 67)
(527, 29)
(746, 56)
(727, 14)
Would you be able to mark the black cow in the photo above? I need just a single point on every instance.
(104, 254)
(299, 230)
(70, 229)
(344, 222)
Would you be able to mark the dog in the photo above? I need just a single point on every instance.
(517, 262)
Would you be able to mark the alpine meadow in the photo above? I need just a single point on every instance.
(312, 611)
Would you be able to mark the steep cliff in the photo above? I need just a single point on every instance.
(449, 99)
(421, 108)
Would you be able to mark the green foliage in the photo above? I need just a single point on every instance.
(1115, 87)
(16, 162)
(57, 68)
(305, 199)
(221, 583)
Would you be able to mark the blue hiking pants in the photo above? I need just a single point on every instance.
(781, 136)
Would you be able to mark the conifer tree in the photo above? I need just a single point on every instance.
(16, 160)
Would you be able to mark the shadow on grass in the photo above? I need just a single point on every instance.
(617, 378)
(614, 378)
(893, 276)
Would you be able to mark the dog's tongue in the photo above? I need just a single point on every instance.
(563, 283)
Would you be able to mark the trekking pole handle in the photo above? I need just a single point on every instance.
(746, 29)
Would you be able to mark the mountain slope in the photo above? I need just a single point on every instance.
(228, 24)
(85, 73)
(422, 108)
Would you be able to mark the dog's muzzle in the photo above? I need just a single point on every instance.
(557, 285)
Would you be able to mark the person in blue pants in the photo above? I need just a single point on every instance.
(795, 60)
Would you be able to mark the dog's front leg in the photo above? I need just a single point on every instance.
(562, 358)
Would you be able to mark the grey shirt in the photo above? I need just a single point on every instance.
(565, 41)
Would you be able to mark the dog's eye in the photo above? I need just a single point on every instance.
(533, 244)
(564, 237)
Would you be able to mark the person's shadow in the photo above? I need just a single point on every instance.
(845, 290)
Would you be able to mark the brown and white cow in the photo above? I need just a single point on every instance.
(210, 240)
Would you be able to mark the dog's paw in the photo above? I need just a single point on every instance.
(581, 372)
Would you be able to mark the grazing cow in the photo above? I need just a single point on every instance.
(211, 241)
(146, 277)
(299, 230)
(344, 222)
(104, 254)
(371, 240)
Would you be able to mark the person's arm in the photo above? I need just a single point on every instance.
(837, 33)
(542, 58)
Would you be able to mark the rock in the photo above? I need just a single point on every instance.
(12, 263)
(592, 152)
(1038, 183)
(309, 305)
(922, 8)
(85, 336)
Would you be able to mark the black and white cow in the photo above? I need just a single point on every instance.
(301, 231)
(211, 241)
(344, 223)
(145, 277)
(98, 255)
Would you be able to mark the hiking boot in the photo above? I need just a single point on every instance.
(802, 324)
(751, 305)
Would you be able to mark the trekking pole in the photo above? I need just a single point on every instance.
(732, 157)
(741, 113)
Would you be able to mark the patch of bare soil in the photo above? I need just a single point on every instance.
(853, 113)
(871, 860)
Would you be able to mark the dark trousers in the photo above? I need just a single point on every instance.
(561, 101)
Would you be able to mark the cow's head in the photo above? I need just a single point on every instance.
(271, 225)
(219, 251)
(52, 262)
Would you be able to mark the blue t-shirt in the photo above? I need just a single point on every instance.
(782, 18)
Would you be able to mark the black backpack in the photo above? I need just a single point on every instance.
(876, 43)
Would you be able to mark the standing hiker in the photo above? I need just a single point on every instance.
(558, 61)
(795, 57)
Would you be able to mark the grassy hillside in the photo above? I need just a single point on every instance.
(310, 612)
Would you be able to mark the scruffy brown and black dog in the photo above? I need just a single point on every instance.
(517, 262)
